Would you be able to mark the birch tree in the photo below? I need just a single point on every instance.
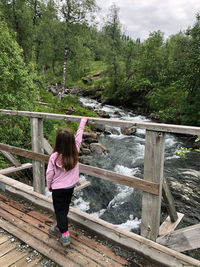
(73, 12)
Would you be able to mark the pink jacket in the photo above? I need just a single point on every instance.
(56, 176)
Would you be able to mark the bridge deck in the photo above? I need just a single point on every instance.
(30, 224)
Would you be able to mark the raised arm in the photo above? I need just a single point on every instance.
(79, 133)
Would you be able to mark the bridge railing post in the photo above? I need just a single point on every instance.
(37, 146)
(153, 171)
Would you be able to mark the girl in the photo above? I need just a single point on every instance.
(62, 175)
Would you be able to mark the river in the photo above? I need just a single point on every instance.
(121, 205)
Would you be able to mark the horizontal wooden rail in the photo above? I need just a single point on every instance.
(134, 182)
(14, 169)
(160, 127)
(25, 153)
(131, 181)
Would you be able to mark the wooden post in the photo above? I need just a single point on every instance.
(168, 199)
(10, 157)
(153, 171)
(37, 146)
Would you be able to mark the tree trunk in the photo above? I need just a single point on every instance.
(64, 74)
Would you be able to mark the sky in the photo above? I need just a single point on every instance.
(140, 17)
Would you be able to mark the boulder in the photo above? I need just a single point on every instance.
(86, 151)
(115, 131)
(154, 116)
(99, 127)
(103, 114)
(128, 131)
(107, 132)
(90, 134)
(98, 148)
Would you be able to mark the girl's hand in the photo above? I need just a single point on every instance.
(85, 118)
(50, 189)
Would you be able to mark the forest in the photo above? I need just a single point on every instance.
(46, 43)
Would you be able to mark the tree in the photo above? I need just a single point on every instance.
(73, 12)
(190, 110)
(112, 32)
(18, 91)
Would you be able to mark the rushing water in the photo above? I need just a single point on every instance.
(121, 205)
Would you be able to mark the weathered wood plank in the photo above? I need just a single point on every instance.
(168, 199)
(37, 146)
(15, 169)
(38, 220)
(134, 182)
(23, 262)
(167, 226)
(153, 171)
(47, 147)
(11, 257)
(131, 181)
(73, 253)
(171, 128)
(181, 240)
(3, 239)
(25, 153)
(67, 117)
(147, 248)
(10, 157)
(6, 247)
(168, 128)
(81, 185)
(37, 244)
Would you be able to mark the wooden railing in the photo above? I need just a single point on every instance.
(153, 183)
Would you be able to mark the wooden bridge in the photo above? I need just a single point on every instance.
(158, 243)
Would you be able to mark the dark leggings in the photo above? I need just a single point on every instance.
(61, 202)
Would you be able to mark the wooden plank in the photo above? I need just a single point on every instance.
(181, 240)
(15, 169)
(39, 220)
(3, 239)
(24, 263)
(147, 248)
(153, 171)
(37, 244)
(25, 153)
(6, 247)
(81, 239)
(82, 184)
(47, 147)
(86, 251)
(167, 226)
(131, 181)
(24, 223)
(168, 128)
(98, 247)
(168, 199)
(11, 257)
(54, 116)
(161, 127)
(37, 146)
(10, 157)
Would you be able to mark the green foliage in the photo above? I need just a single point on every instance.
(157, 75)
(18, 91)
(182, 151)
(167, 101)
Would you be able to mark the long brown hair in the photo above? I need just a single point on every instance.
(66, 146)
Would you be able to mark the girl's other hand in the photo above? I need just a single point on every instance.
(85, 118)
(50, 190)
